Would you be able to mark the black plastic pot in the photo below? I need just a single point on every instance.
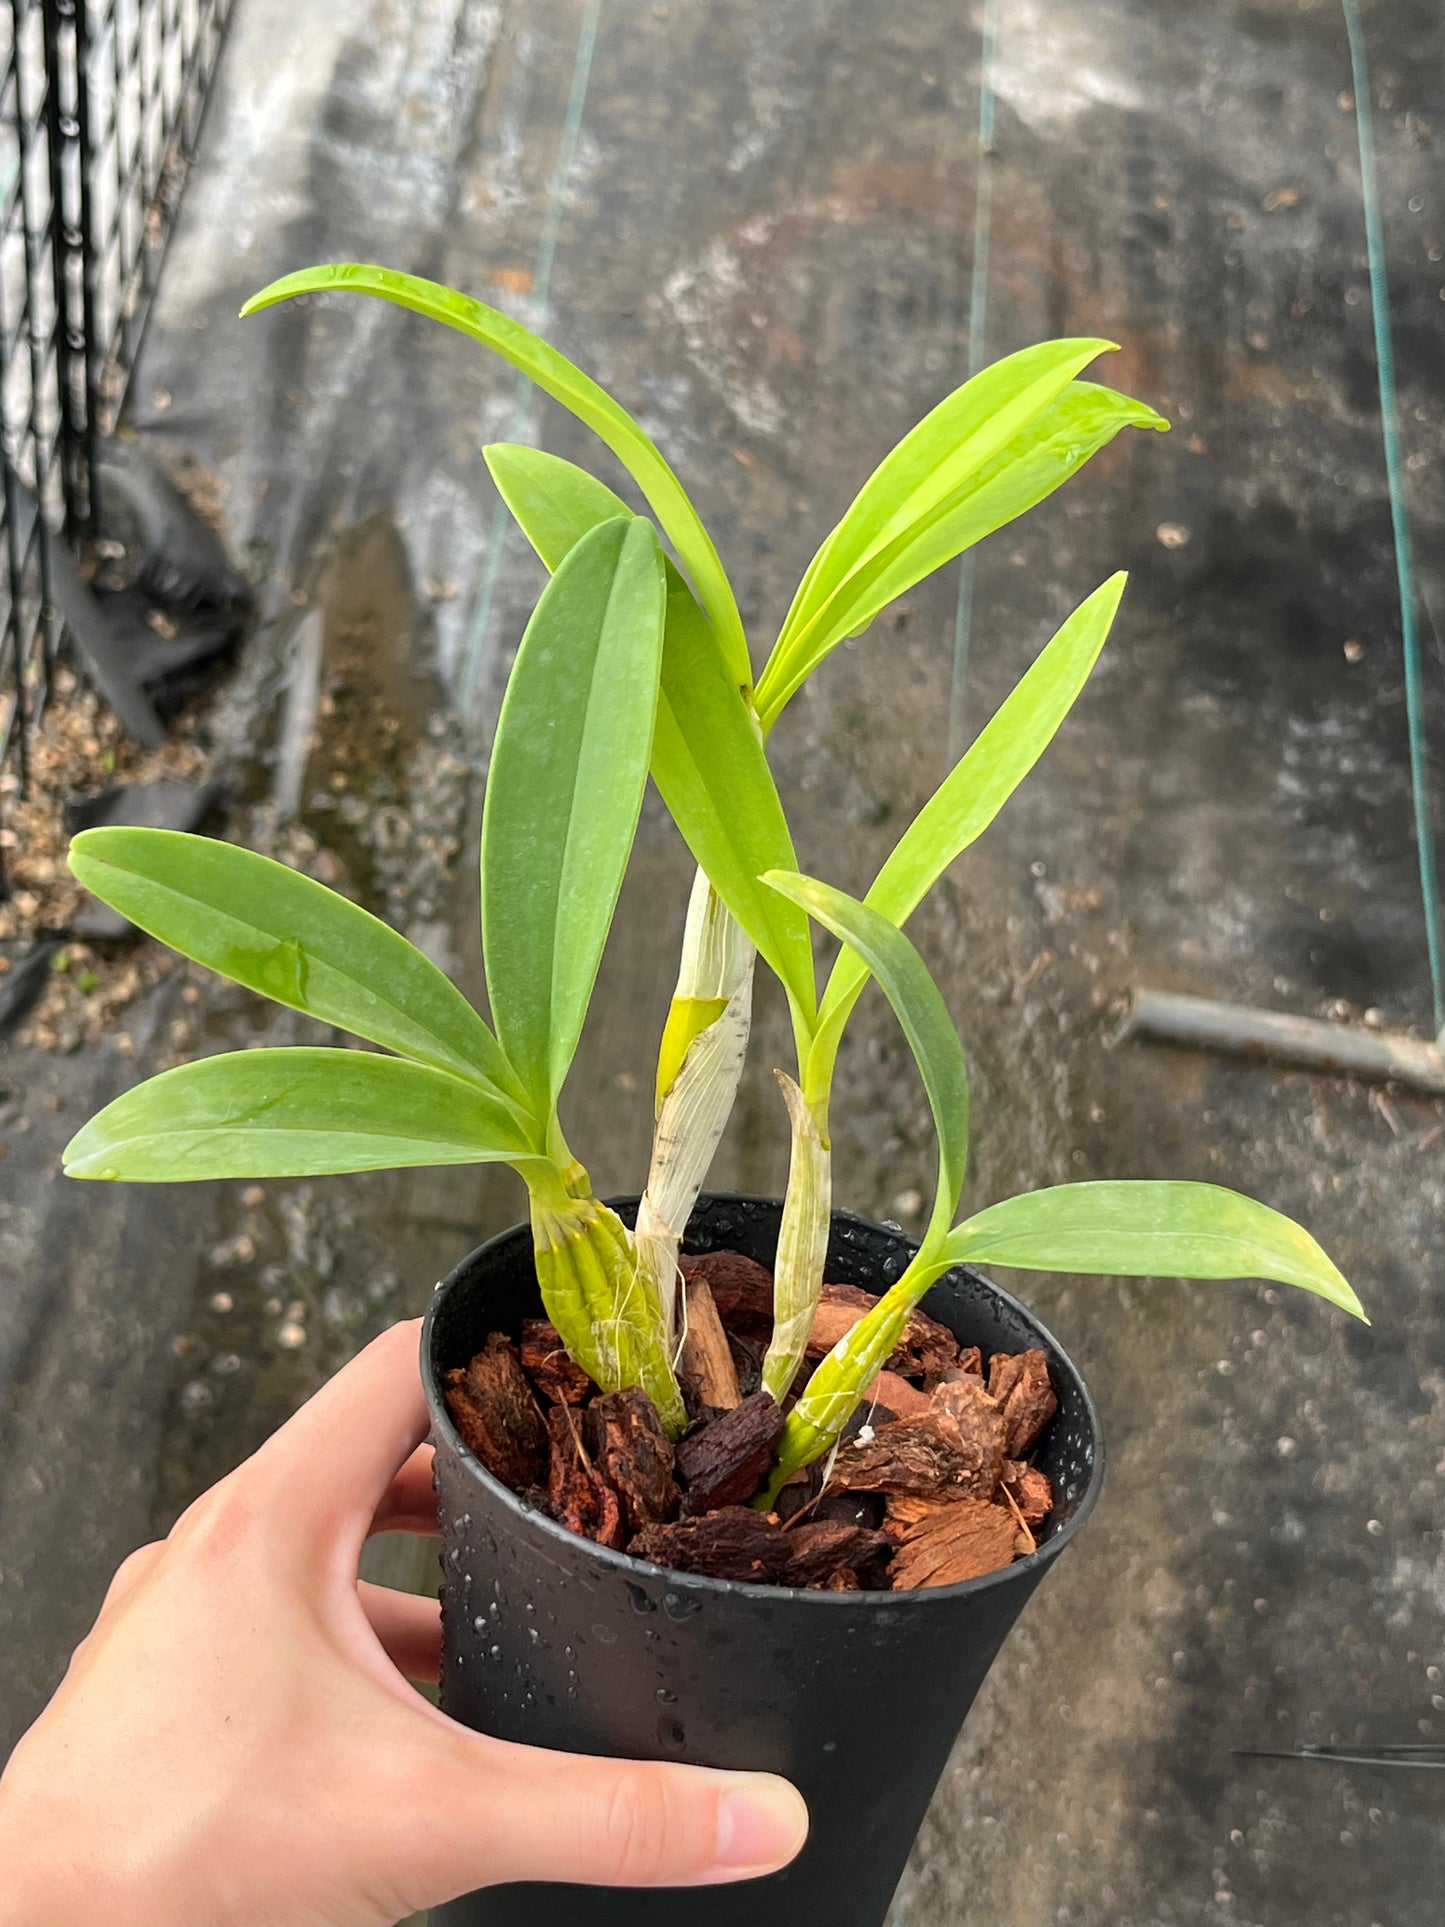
(855, 1697)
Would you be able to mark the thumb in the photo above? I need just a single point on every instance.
(503, 1812)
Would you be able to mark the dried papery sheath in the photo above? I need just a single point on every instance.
(802, 1242)
(700, 1062)
(603, 1306)
(716, 962)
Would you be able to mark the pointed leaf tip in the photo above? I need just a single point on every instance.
(565, 383)
(1140, 1228)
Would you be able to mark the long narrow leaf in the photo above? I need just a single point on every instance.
(709, 764)
(921, 1011)
(940, 454)
(1052, 448)
(290, 938)
(565, 790)
(292, 1113)
(565, 383)
(953, 440)
(981, 782)
(707, 756)
(1145, 1229)
(1040, 458)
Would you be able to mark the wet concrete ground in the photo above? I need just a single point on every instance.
(764, 244)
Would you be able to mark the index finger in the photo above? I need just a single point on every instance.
(410, 1501)
(332, 1464)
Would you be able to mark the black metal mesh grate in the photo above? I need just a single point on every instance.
(100, 107)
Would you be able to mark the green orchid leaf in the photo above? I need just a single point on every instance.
(920, 1009)
(1040, 458)
(553, 501)
(1115, 1228)
(965, 430)
(943, 449)
(707, 754)
(982, 781)
(293, 940)
(1145, 1229)
(293, 1113)
(710, 767)
(557, 377)
(564, 793)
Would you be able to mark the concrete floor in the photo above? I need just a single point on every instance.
(764, 244)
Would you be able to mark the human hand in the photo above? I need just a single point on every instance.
(236, 1743)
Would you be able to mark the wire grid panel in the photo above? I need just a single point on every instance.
(30, 378)
(148, 66)
(100, 107)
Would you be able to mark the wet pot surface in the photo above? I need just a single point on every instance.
(856, 1697)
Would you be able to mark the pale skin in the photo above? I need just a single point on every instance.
(236, 1742)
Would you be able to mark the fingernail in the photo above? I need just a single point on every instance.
(761, 1824)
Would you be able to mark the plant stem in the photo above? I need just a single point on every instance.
(700, 1063)
(802, 1238)
(603, 1305)
(841, 1380)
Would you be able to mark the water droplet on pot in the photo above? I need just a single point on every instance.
(830, 1746)
(529, 1607)
(533, 1634)
(671, 1735)
(604, 1635)
(568, 1651)
(677, 1607)
(496, 1652)
(479, 1624)
(667, 1698)
(640, 1601)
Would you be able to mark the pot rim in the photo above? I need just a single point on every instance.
(624, 1563)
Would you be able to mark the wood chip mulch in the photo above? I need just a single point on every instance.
(933, 1484)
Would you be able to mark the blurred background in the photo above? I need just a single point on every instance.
(255, 577)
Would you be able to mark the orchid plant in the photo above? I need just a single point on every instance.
(632, 662)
